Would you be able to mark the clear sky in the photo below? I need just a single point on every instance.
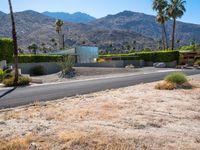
(98, 8)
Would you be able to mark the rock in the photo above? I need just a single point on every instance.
(34, 146)
(160, 65)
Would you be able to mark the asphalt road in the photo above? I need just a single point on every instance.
(26, 95)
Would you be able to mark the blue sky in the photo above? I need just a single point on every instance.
(98, 8)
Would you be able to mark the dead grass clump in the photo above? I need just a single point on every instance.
(165, 86)
(16, 143)
(97, 141)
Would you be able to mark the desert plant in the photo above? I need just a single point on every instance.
(160, 6)
(59, 23)
(22, 81)
(175, 10)
(165, 86)
(2, 74)
(67, 65)
(176, 77)
(38, 71)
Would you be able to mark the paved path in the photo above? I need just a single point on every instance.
(26, 95)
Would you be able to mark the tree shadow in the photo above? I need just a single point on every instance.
(8, 92)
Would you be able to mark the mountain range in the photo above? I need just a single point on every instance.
(77, 17)
(117, 33)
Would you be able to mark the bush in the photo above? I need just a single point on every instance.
(2, 74)
(38, 71)
(6, 49)
(197, 62)
(39, 58)
(193, 47)
(22, 81)
(67, 65)
(165, 86)
(156, 56)
(176, 77)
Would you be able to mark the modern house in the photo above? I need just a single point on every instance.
(83, 54)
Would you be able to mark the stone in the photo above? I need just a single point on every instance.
(34, 146)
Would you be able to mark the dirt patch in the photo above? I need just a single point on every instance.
(138, 117)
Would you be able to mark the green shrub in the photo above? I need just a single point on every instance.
(22, 81)
(6, 49)
(176, 77)
(38, 71)
(193, 47)
(197, 62)
(29, 58)
(155, 56)
(2, 74)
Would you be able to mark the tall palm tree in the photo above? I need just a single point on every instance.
(160, 6)
(59, 23)
(15, 47)
(175, 10)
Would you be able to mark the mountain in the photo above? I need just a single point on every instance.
(147, 26)
(116, 33)
(2, 13)
(77, 17)
(34, 27)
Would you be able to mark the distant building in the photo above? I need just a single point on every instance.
(83, 54)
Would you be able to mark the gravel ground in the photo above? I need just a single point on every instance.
(138, 117)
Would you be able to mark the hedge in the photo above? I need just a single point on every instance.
(156, 56)
(197, 58)
(6, 49)
(29, 58)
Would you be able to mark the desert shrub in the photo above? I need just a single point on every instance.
(6, 49)
(176, 77)
(67, 65)
(165, 86)
(2, 74)
(29, 58)
(38, 71)
(22, 81)
(154, 56)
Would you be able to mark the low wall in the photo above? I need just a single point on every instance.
(51, 67)
(109, 64)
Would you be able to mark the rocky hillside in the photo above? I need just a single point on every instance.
(2, 13)
(146, 25)
(33, 27)
(77, 17)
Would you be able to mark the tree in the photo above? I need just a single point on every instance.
(160, 7)
(59, 23)
(15, 46)
(33, 48)
(175, 10)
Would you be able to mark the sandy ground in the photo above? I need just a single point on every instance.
(132, 118)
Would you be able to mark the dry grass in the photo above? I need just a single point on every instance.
(135, 118)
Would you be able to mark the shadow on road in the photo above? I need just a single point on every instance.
(7, 92)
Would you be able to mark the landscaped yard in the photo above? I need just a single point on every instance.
(137, 117)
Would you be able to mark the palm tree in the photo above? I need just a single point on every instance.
(15, 47)
(160, 6)
(59, 23)
(175, 10)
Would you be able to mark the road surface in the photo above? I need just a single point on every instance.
(26, 95)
